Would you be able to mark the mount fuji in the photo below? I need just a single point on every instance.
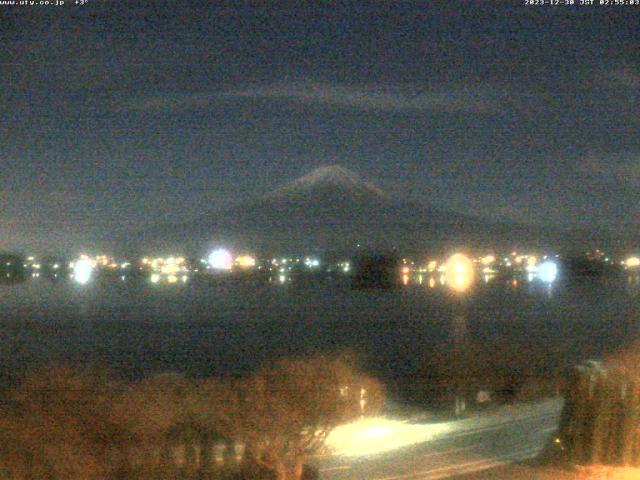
(334, 209)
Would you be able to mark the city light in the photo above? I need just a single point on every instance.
(488, 260)
(82, 270)
(311, 262)
(548, 271)
(169, 268)
(459, 272)
(220, 259)
(165, 269)
(245, 261)
(632, 262)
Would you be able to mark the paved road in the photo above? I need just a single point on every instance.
(448, 449)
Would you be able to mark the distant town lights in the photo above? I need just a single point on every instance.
(548, 271)
(245, 261)
(220, 259)
(632, 262)
(311, 262)
(82, 270)
(459, 272)
(488, 260)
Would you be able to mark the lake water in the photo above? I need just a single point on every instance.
(226, 328)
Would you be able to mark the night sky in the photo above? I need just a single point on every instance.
(121, 115)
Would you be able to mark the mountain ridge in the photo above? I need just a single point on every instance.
(333, 208)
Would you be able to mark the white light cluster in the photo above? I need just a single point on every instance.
(83, 270)
(548, 271)
(311, 262)
(220, 259)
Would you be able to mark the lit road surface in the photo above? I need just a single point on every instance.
(431, 451)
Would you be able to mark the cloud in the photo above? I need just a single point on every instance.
(169, 102)
(477, 99)
(379, 99)
(617, 168)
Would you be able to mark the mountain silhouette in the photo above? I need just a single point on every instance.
(334, 209)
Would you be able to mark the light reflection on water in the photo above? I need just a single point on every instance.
(204, 328)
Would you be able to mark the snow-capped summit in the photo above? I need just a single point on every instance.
(331, 177)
